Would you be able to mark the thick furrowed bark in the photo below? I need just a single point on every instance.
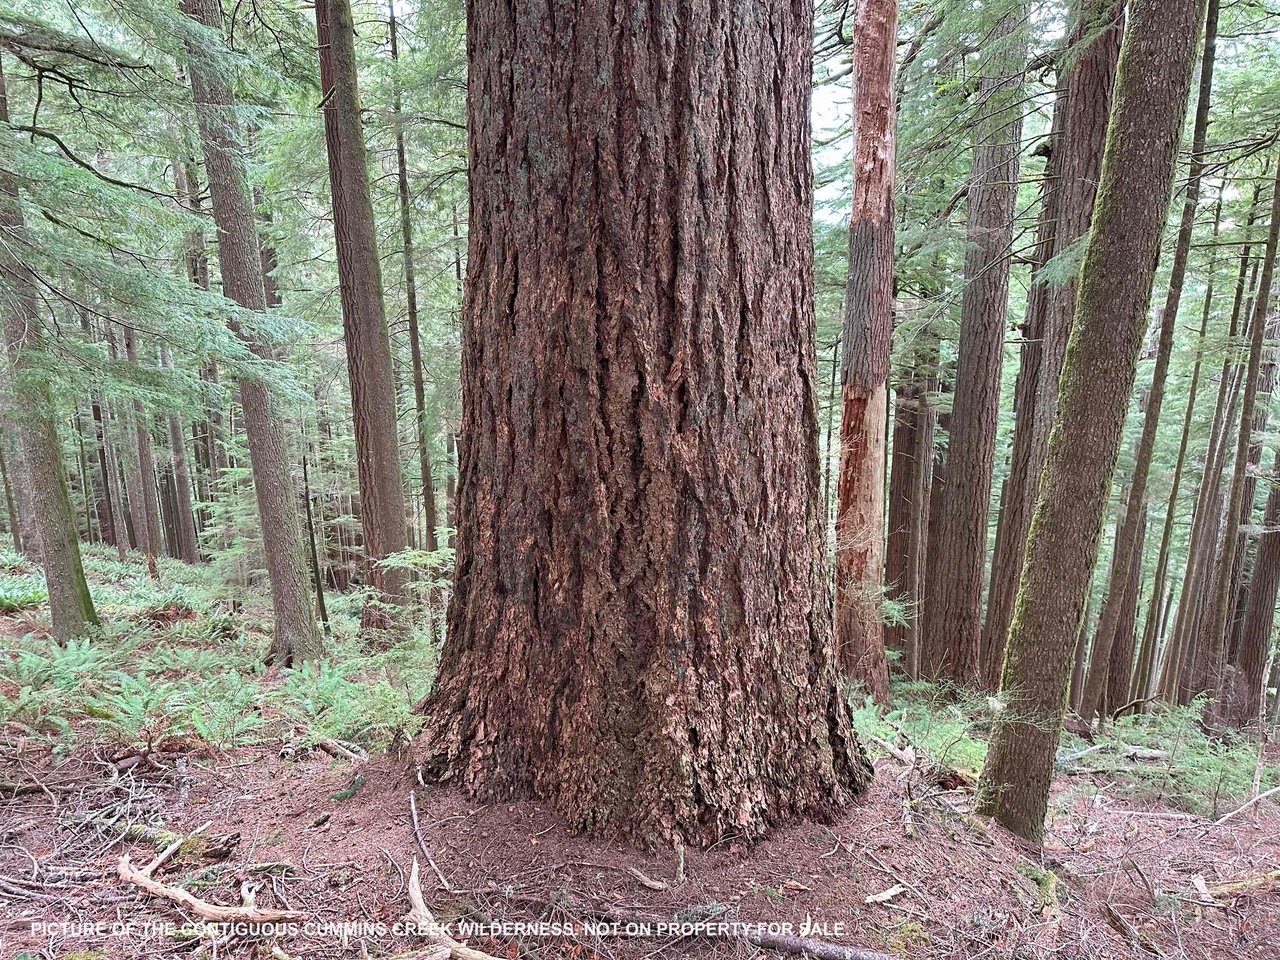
(640, 632)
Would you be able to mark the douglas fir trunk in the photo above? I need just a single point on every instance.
(641, 631)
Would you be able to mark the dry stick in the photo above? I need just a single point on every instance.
(1241, 809)
(417, 835)
(202, 908)
(423, 918)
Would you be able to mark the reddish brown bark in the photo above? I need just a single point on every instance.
(868, 328)
(640, 632)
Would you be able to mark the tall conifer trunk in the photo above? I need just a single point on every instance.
(239, 259)
(364, 321)
(1152, 86)
(868, 329)
(641, 631)
(45, 479)
(958, 552)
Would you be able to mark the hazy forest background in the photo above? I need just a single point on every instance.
(622, 462)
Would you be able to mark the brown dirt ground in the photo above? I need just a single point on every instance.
(1123, 883)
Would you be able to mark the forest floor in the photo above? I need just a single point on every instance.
(291, 790)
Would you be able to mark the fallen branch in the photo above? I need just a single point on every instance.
(1241, 809)
(202, 908)
(422, 844)
(1233, 887)
(422, 918)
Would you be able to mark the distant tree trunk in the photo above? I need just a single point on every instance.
(1074, 166)
(911, 416)
(1220, 597)
(1136, 508)
(1119, 669)
(148, 516)
(639, 479)
(1151, 91)
(10, 507)
(1238, 702)
(1151, 635)
(364, 322)
(1205, 517)
(70, 605)
(429, 518)
(296, 637)
(868, 330)
(317, 579)
(185, 517)
(958, 555)
(1241, 559)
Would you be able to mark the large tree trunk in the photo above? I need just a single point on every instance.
(70, 606)
(1136, 506)
(364, 322)
(239, 258)
(868, 329)
(958, 555)
(1073, 170)
(641, 631)
(1152, 85)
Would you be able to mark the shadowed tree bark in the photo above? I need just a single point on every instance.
(958, 553)
(148, 515)
(239, 258)
(641, 632)
(868, 329)
(31, 405)
(1152, 86)
(364, 321)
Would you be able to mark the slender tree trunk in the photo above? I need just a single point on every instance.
(364, 322)
(185, 517)
(910, 410)
(296, 636)
(1136, 508)
(1119, 670)
(317, 579)
(868, 330)
(70, 605)
(958, 555)
(429, 518)
(1074, 165)
(1220, 597)
(1151, 635)
(1238, 701)
(1200, 544)
(148, 518)
(1152, 86)
(639, 478)
(11, 510)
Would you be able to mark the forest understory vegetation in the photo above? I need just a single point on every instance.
(165, 727)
